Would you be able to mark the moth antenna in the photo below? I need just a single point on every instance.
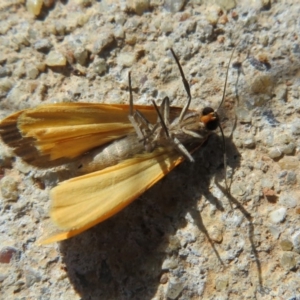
(165, 110)
(219, 125)
(225, 85)
(224, 157)
(163, 124)
(186, 86)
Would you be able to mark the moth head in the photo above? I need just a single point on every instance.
(210, 118)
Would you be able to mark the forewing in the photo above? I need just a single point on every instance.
(56, 133)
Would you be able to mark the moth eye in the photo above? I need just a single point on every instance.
(207, 111)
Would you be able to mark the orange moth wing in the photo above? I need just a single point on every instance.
(53, 134)
(82, 202)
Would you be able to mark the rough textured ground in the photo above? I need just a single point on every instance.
(184, 238)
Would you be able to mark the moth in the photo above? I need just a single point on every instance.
(122, 150)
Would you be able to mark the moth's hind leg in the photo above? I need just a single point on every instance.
(181, 148)
(155, 136)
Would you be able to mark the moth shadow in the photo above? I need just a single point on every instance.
(122, 257)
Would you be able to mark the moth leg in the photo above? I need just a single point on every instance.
(192, 133)
(163, 116)
(180, 147)
(143, 127)
(177, 144)
(149, 140)
(136, 126)
(130, 95)
(161, 120)
(139, 122)
(186, 86)
(131, 115)
(143, 119)
(165, 111)
(152, 130)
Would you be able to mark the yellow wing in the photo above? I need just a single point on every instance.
(80, 203)
(52, 134)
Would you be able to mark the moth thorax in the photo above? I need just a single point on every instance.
(210, 118)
